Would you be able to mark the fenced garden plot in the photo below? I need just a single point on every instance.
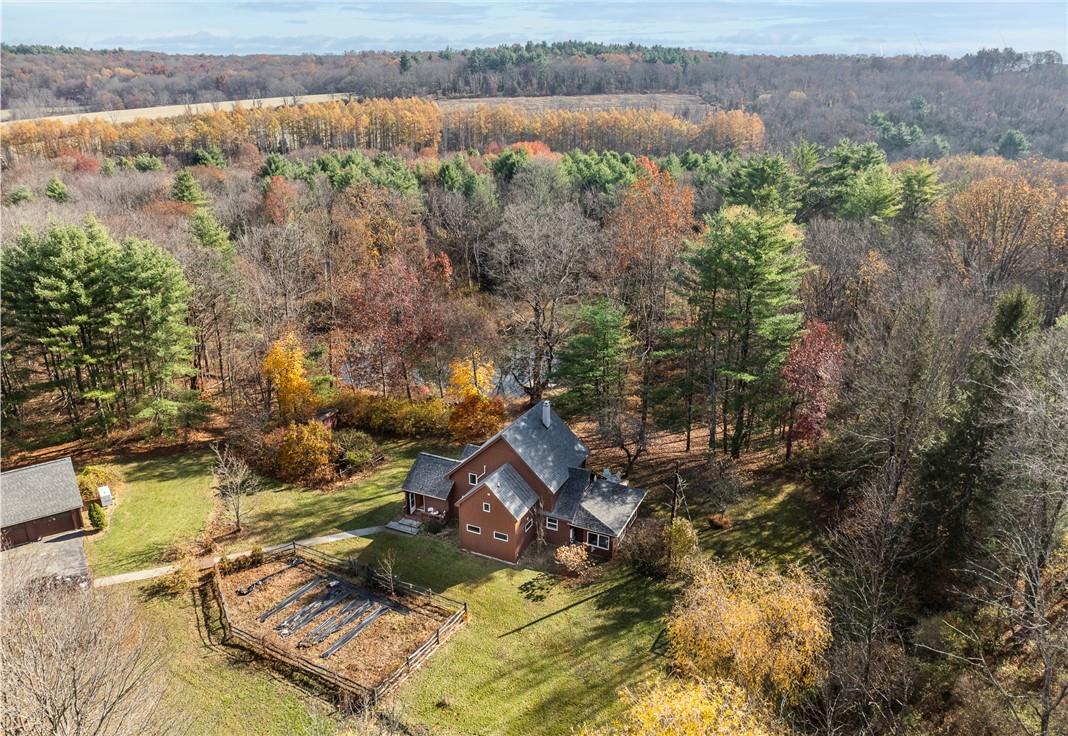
(334, 619)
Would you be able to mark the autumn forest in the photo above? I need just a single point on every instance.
(861, 290)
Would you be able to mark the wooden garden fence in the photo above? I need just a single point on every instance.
(352, 568)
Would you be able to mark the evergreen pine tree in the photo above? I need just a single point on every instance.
(209, 233)
(186, 189)
(56, 190)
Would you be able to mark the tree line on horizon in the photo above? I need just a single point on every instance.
(963, 105)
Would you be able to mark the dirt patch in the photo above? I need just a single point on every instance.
(394, 626)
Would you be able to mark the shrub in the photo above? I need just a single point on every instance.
(644, 546)
(475, 418)
(253, 559)
(97, 518)
(719, 521)
(185, 577)
(573, 559)
(56, 190)
(358, 448)
(392, 416)
(210, 156)
(20, 194)
(92, 477)
(146, 162)
(680, 542)
(306, 453)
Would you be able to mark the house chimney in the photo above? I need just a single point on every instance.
(546, 413)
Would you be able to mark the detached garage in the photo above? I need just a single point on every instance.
(39, 501)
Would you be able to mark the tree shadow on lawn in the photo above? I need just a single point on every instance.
(614, 638)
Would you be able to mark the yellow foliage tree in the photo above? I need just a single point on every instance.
(284, 368)
(678, 708)
(766, 631)
(471, 376)
(305, 453)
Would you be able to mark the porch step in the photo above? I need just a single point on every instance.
(405, 526)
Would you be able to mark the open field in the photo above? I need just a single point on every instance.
(684, 105)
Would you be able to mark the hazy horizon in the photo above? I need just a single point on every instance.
(772, 27)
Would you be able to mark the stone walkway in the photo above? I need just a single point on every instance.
(155, 572)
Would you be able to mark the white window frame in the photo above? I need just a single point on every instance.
(530, 523)
(552, 524)
(472, 479)
(500, 536)
(594, 535)
(486, 506)
(472, 529)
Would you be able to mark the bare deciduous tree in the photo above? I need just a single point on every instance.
(234, 480)
(1025, 579)
(79, 662)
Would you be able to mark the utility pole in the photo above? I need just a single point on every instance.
(675, 492)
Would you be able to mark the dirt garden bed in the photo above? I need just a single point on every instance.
(344, 627)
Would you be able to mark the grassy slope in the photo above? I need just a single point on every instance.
(223, 691)
(538, 655)
(165, 499)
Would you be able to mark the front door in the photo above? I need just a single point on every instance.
(411, 503)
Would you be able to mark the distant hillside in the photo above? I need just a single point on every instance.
(914, 105)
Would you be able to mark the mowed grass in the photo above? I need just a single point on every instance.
(282, 513)
(539, 655)
(225, 691)
(777, 521)
(165, 499)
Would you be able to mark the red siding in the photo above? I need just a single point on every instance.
(497, 519)
(489, 459)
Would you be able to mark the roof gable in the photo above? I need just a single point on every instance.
(514, 493)
(37, 491)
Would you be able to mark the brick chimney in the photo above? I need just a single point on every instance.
(546, 413)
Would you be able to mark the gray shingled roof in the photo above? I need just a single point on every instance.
(593, 502)
(38, 491)
(548, 451)
(469, 450)
(508, 485)
(427, 476)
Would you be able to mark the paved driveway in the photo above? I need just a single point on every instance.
(61, 554)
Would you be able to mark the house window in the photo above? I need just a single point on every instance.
(472, 478)
(530, 523)
(500, 536)
(485, 506)
(552, 524)
(600, 541)
(474, 529)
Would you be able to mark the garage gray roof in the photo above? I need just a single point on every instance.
(38, 491)
(508, 485)
(593, 502)
(427, 476)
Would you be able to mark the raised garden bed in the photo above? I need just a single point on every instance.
(335, 619)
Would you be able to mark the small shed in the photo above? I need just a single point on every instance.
(39, 501)
(327, 417)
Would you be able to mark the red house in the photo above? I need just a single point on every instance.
(528, 478)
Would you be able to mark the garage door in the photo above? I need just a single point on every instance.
(13, 536)
(50, 525)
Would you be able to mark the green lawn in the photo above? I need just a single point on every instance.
(221, 690)
(777, 522)
(164, 499)
(282, 513)
(539, 656)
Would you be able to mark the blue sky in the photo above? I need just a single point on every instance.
(763, 26)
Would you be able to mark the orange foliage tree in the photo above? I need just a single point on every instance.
(283, 367)
(475, 418)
